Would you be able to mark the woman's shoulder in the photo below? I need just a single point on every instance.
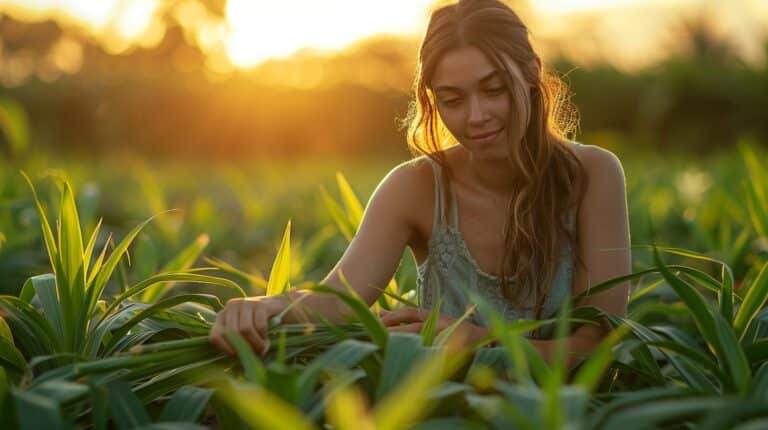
(409, 190)
(415, 173)
(598, 161)
(410, 181)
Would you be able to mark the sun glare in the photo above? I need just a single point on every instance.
(569, 6)
(257, 30)
(260, 30)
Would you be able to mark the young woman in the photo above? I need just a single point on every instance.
(499, 201)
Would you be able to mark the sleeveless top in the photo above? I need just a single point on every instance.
(450, 270)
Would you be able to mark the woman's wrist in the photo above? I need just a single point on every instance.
(290, 305)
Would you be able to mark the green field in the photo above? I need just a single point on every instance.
(112, 276)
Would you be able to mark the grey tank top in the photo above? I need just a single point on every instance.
(450, 270)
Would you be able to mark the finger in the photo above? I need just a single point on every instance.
(260, 325)
(232, 322)
(396, 317)
(406, 328)
(216, 337)
(246, 328)
(405, 315)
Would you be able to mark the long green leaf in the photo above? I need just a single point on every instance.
(713, 327)
(404, 350)
(50, 242)
(725, 297)
(351, 202)
(31, 330)
(127, 411)
(253, 368)
(338, 215)
(11, 357)
(184, 260)
(162, 305)
(653, 413)
(100, 282)
(34, 411)
(372, 323)
(346, 408)
(186, 404)
(757, 295)
(593, 369)
(272, 412)
(62, 392)
(279, 276)
(344, 355)
(429, 329)
(166, 277)
(71, 245)
(44, 287)
(88, 253)
(392, 412)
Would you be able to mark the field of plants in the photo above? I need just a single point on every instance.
(112, 271)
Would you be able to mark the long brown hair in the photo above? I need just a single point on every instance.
(551, 178)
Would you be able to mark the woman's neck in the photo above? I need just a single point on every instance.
(495, 177)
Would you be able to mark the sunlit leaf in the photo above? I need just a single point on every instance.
(279, 276)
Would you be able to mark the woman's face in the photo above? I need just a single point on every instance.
(473, 101)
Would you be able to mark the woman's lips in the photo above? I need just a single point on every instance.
(485, 137)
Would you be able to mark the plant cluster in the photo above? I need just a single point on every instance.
(82, 348)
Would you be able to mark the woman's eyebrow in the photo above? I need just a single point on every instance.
(484, 80)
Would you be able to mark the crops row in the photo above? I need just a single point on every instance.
(96, 342)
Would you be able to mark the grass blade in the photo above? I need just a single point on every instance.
(370, 321)
(351, 202)
(186, 404)
(272, 412)
(184, 260)
(755, 300)
(279, 276)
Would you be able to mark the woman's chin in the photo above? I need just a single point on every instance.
(486, 152)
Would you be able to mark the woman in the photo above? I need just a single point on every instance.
(499, 201)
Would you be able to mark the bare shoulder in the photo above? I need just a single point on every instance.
(601, 164)
(403, 193)
(605, 194)
(408, 180)
(598, 160)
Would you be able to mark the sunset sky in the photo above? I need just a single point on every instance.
(629, 32)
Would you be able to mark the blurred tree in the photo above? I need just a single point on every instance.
(35, 37)
(704, 44)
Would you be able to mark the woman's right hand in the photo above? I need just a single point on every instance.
(249, 317)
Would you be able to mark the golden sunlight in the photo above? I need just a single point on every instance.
(254, 31)
(117, 23)
(569, 6)
(261, 30)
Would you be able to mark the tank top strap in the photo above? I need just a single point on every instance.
(454, 207)
(438, 216)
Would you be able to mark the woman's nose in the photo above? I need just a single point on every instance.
(478, 112)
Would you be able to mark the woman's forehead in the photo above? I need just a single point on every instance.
(463, 67)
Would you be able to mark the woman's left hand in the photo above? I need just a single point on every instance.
(412, 320)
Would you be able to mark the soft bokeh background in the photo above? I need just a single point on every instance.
(234, 111)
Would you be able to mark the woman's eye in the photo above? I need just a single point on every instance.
(495, 91)
(451, 102)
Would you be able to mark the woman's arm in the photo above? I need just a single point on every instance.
(604, 248)
(367, 265)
